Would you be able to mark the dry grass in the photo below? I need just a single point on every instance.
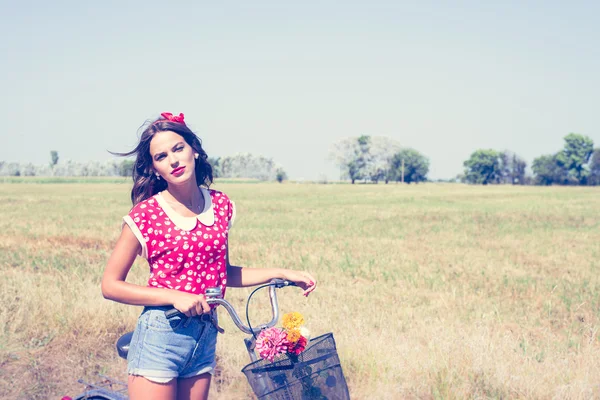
(432, 291)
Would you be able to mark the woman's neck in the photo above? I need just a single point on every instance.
(187, 193)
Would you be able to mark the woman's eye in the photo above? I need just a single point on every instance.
(160, 158)
(179, 148)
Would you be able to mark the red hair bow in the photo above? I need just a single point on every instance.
(173, 118)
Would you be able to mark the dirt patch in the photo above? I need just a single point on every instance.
(52, 371)
(79, 242)
(11, 241)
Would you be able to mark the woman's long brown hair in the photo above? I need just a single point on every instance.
(145, 182)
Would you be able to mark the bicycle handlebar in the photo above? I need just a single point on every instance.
(215, 296)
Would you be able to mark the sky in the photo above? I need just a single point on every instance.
(288, 79)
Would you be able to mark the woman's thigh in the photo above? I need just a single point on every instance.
(141, 388)
(194, 388)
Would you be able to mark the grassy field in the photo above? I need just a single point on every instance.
(432, 291)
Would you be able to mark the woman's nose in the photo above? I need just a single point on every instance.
(173, 160)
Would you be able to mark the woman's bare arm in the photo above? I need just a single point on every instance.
(114, 286)
(243, 277)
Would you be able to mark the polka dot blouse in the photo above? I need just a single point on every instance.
(184, 253)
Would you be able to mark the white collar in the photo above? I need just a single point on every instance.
(206, 217)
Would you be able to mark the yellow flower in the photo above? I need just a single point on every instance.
(292, 320)
(293, 335)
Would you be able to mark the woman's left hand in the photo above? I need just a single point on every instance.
(301, 278)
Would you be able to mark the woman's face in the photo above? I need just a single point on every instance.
(172, 157)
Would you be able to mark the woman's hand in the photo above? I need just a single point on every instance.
(302, 279)
(190, 304)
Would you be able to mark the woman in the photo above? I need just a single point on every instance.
(181, 227)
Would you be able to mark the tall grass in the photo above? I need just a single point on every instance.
(432, 291)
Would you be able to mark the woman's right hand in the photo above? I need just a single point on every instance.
(190, 304)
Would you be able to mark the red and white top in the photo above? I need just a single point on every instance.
(184, 253)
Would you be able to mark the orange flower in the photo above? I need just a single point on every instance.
(293, 335)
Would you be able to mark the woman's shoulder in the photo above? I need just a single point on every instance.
(144, 206)
(222, 204)
(217, 195)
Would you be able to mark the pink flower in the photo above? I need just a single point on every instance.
(272, 342)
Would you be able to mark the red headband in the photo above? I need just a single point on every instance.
(170, 117)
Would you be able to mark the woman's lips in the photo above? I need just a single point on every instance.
(178, 171)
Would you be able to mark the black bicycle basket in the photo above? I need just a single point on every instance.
(314, 374)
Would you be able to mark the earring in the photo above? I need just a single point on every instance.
(157, 175)
(196, 155)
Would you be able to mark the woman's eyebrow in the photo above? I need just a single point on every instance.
(176, 144)
(172, 149)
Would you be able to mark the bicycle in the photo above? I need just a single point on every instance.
(316, 373)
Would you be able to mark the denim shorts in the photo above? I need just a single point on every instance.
(163, 349)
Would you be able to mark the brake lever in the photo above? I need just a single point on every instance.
(280, 283)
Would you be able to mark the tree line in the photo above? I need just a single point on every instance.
(378, 158)
(243, 165)
(373, 159)
(246, 165)
(577, 163)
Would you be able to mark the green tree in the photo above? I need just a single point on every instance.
(378, 174)
(126, 168)
(416, 166)
(575, 156)
(363, 158)
(14, 169)
(519, 167)
(594, 166)
(483, 167)
(512, 168)
(53, 158)
(381, 151)
(246, 165)
(548, 171)
(216, 167)
(280, 175)
(353, 157)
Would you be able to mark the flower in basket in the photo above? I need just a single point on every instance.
(290, 339)
(293, 320)
(298, 347)
(272, 342)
